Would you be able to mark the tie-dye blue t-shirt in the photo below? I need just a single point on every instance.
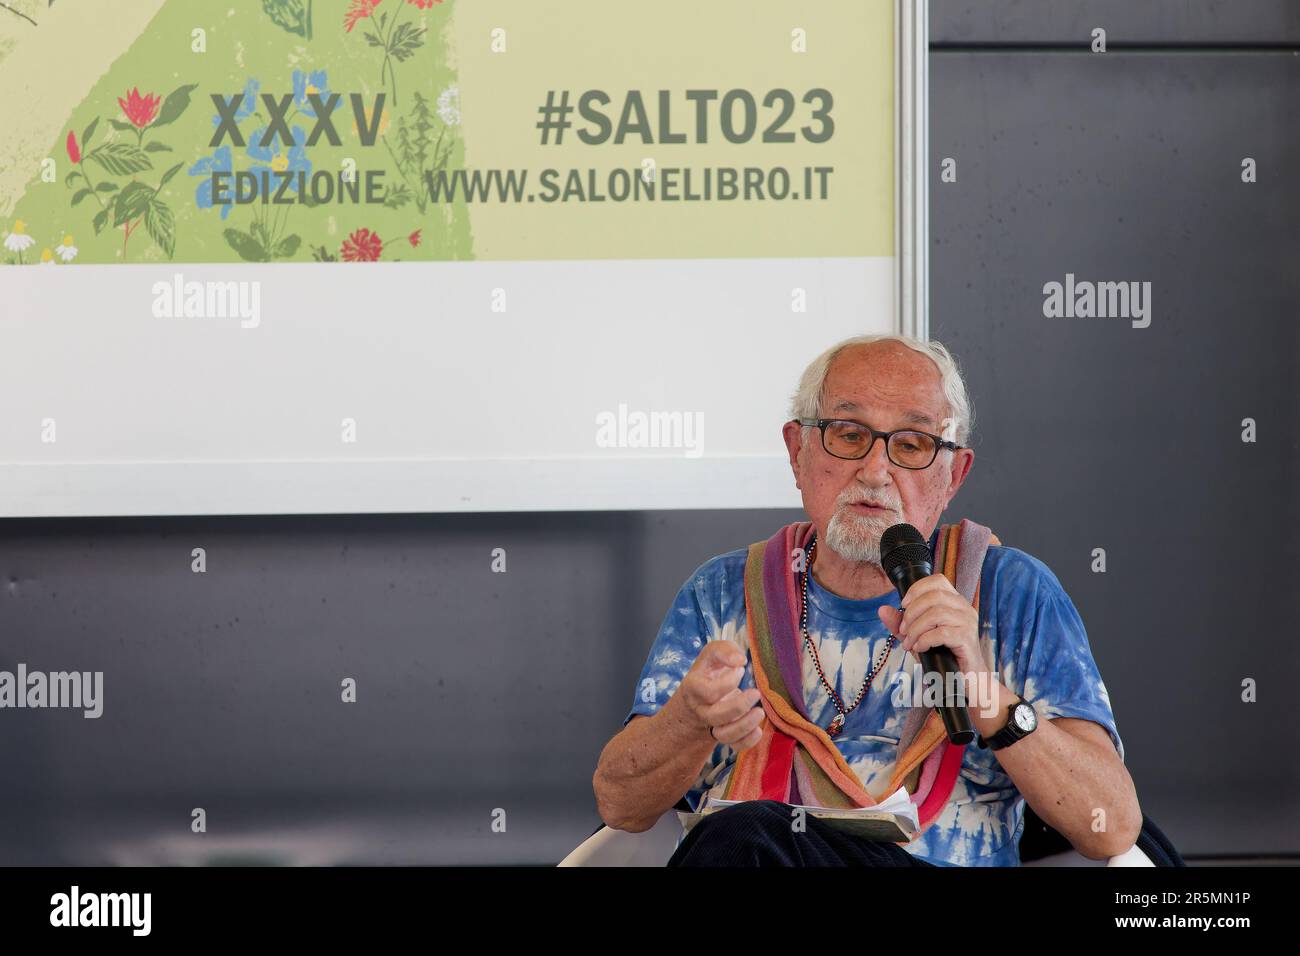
(1028, 625)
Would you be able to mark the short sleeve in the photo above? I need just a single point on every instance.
(681, 637)
(1051, 664)
(695, 618)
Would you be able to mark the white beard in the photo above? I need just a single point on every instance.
(856, 537)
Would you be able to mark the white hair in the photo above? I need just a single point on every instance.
(807, 400)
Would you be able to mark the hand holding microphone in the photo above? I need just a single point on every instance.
(937, 624)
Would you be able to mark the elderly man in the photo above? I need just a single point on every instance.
(777, 682)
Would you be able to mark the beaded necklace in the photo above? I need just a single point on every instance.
(837, 723)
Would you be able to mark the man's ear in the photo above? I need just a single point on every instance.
(962, 460)
(792, 432)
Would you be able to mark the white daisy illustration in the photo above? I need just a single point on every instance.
(66, 250)
(18, 241)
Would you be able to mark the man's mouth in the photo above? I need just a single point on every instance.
(866, 507)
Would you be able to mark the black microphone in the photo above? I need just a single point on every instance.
(905, 557)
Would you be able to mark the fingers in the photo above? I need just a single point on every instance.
(923, 617)
(713, 687)
(939, 615)
(914, 604)
(715, 696)
(945, 635)
(744, 731)
(716, 672)
(925, 593)
(721, 655)
(734, 706)
(925, 586)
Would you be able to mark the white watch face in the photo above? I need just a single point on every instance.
(1025, 717)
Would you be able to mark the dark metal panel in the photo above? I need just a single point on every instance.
(476, 690)
(1200, 22)
(1094, 434)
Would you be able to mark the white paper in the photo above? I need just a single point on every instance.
(899, 803)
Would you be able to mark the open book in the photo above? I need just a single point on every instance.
(893, 820)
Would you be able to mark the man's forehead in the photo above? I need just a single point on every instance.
(910, 416)
(888, 387)
(894, 375)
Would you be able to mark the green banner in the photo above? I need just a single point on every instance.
(386, 130)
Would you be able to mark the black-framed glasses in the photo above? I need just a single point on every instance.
(906, 447)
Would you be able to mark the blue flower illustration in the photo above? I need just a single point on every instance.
(277, 158)
(247, 105)
(222, 161)
(314, 82)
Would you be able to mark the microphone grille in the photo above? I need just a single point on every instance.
(902, 544)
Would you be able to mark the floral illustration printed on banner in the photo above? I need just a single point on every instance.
(302, 139)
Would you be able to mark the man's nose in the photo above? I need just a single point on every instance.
(873, 469)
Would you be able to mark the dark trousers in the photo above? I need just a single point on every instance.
(761, 833)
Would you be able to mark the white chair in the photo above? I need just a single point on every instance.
(653, 847)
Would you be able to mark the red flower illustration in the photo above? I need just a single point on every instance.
(362, 246)
(74, 152)
(414, 238)
(423, 4)
(359, 10)
(140, 110)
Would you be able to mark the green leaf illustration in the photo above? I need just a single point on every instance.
(397, 197)
(287, 246)
(156, 147)
(175, 104)
(131, 203)
(121, 159)
(89, 132)
(291, 15)
(122, 125)
(169, 174)
(106, 187)
(260, 235)
(81, 194)
(161, 225)
(75, 174)
(100, 219)
(406, 39)
(249, 249)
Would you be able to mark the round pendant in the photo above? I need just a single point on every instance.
(836, 725)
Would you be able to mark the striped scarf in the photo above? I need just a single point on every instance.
(795, 761)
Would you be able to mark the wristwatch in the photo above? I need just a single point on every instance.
(1021, 723)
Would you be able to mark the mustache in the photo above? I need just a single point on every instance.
(888, 502)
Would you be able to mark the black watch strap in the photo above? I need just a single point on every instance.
(1010, 731)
